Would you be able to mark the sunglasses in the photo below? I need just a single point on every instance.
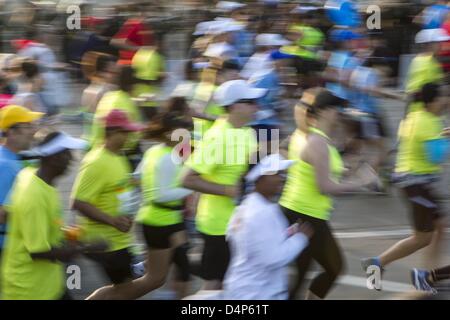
(247, 101)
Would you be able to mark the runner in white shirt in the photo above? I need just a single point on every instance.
(261, 242)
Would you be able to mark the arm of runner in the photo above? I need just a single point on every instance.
(121, 223)
(63, 254)
(271, 248)
(192, 180)
(166, 182)
(319, 159)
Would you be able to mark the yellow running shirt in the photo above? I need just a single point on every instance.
(35, 222)
(104, 182)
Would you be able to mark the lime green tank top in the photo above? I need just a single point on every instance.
(301, 192)
(149, 213)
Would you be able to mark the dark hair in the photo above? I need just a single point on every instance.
(102, 62)
(316, 99)
(428, 93)
(125, 78)
(30, 69)
(171, 116)
(231, 65)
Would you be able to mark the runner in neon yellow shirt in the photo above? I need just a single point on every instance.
(35, 252)
(105, 200)
(149, 67)
(215, 169)
(311, 182)
(118, 99)
(425, 68)
(160, 216)
(417, 169)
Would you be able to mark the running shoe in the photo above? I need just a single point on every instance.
(420, 281)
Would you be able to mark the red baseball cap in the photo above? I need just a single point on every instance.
(118, 119)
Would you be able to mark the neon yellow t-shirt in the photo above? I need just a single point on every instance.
(307, 44)
(423, 69)
(148, 213)
(114, 100)
(203, 95)
(414, 131)
(301, 192)
(222, 157)
(148, 65)
(103, 181)
(35, 223)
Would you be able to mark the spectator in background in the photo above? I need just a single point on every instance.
(101, 71)
(134, 34)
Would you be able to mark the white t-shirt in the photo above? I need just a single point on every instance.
(260, 251)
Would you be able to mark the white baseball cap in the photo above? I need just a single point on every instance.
(229, 6)
(219, 50)
(305, 9)
(235, 90)
(271, 39)
(203, 28)
(219, 27)
(60, 142)
(269, 165)
(432, 35)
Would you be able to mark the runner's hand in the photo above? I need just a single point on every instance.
(306, 229)
(233, 191)
(95, 246)
(122, 223)
(367, 177)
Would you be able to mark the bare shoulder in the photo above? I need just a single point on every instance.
(316, 147)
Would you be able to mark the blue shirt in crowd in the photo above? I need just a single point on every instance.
(10, 165)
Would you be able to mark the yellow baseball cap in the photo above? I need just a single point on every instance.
(12, 114)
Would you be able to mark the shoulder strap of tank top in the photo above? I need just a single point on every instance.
(319, 132)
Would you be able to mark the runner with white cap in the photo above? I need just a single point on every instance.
(425, 68)
(216, 174)
(261, 243)
(266, 43)
(35, 252)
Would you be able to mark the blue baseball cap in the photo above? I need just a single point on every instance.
(341, 35)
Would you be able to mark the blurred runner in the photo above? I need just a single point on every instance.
(261, 244)
(310, 183)
(101, 78)
(418, 167)
(119, 99)
(160, 216)
(35, 253)
(149, 67)
(425, 68)
(105, 200)
(134, 34)
(17, 127)
(213, 173)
